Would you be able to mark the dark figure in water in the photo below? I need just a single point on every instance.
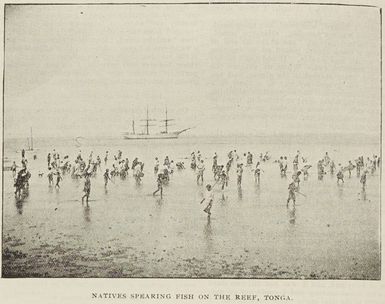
(239, 174)
(292, 189)
(22, 182)
(332, 167)
(58, 179)
(257, 173)
(363, 179)
(87, 188)
(22, 153)
(340, 176)
(106, 176)
(50, 177)
(106, 158)
(209, 198)
(159, 184)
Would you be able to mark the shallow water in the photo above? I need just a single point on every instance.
(126, 232)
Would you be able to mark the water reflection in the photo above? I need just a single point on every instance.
(208, 235)
(240, 196)
(340, 190)
(258, 190)
(87, 213)
(291, 214)
(363, 195)
(19, 206)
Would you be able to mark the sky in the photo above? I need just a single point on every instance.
(222, 69)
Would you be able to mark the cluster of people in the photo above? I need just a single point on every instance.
(120, 167)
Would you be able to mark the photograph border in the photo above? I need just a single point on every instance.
(379, 8)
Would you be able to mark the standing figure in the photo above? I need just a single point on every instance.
(209, 198)
(257, 172)
(87, 188)
(106, 176)
(340, 175)
(58, 179)
(13, 169)
(201, 169)
(363, 180)
(239, 174)
(50, 176)
(159, 182)
(292, 189)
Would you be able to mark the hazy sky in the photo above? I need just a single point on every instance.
(226, 69)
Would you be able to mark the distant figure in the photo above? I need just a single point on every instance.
(201, 169)
(239, 174)
(223, 178)
(156, 165)
(87, 188)
(295, 162)
(106, 176)
(209, 198)
(340, 175)
(49, 159)
(332, 167)
(50, 176)
(284, 166)
(326, 159)
(257, 172)
(292, 189)
(159, 182)
(58, 179)
(22, 153)
(106, 158)
(215, 162)
(13, 169)
(363, 179)
(350, 168)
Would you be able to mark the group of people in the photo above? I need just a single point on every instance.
(118, 166)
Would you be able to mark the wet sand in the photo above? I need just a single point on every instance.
(333, 233)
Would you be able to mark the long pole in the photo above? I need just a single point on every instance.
(147, 122)
(31, 140)
(166, 121)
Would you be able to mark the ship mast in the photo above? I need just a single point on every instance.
(31, 141)
(147, 125)
(133, 126)
(166, 124)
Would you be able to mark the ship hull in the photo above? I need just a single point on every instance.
(169, 135)
(151, 136)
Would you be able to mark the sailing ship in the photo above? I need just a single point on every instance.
(147, 135)
(29, 145)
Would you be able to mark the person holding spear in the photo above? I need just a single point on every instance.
(292, 190)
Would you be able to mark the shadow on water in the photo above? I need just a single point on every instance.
(223, 198)
(208, 235)
(340, 190)
(240, 194)
(87, 214)
(291, 215)
(363, 195)
(159, 202)
(257, 190)
(19, 206)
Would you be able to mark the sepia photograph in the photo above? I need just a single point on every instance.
(192, 141)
